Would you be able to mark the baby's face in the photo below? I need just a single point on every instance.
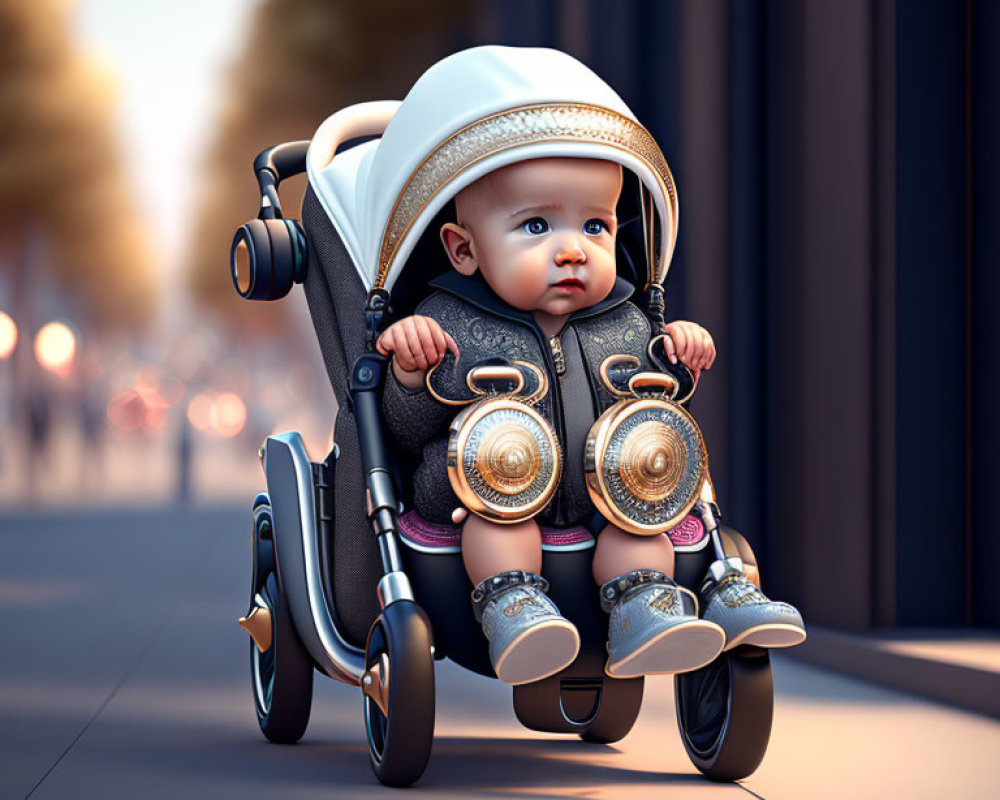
(542, 232)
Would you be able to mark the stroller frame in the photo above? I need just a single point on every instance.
(724, 709)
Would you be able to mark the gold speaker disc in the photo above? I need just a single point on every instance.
(508, 458)
(503, 460)
(644, 464)
(652, 461)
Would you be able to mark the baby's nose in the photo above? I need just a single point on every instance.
(570, 252)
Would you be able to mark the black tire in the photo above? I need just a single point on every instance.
(399, 742)
(724, 712)
(620, 703)
(281, 678)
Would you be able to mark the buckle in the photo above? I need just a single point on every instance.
(615, 589)
(491, 587)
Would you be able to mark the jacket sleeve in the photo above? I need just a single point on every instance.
(413, 417)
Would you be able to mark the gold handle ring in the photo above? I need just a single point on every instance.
(642, 380)
(496, 373)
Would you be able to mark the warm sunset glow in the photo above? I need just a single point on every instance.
(8, 336)
(55, 347)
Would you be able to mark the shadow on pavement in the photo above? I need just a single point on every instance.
(472, 762)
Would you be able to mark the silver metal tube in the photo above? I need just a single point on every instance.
(290, 486)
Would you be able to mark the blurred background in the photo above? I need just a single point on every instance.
(838, 178)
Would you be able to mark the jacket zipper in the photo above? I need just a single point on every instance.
(558, 356)
(548, 353)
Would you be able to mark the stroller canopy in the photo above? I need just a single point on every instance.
(472, 113)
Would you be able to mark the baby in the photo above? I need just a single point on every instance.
(535, 242)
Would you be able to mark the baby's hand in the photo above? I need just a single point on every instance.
(417, 344)
(690, 343)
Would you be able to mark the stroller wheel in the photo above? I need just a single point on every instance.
(398, 694)
(724, 711)
(281, 676)
(620, 703)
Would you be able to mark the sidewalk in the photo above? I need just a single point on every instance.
(125, 675)
(961, 668)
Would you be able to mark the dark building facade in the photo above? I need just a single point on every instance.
(838, 177)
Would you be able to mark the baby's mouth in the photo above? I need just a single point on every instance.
(571, 283)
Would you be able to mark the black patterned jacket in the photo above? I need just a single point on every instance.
(484, 326)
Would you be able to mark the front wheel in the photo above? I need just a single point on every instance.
(724, 712)
(398, 692)
(281, 676)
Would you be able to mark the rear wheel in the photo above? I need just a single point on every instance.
(281, 676)
(724, 712)
(398, 688)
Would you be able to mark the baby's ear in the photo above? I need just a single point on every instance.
(461, 250)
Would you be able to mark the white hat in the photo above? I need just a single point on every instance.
(472, 113)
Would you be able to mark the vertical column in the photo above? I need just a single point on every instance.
(883, 574)
(745, 362)
(837, 332)
(705, 208)
(784, 414)
(613, 37)
(573, 28)
(931, 298)
(820, 326)
(985, 378)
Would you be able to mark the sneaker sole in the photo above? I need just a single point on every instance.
(679, 649)
(772, 634)
(538, 652)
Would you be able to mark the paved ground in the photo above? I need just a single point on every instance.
(123, 674)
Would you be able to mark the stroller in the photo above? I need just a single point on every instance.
(339, 586)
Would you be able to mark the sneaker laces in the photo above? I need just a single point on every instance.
(738, 590)
(666, 600)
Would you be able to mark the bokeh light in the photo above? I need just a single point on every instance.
(8, 336)
(199, 411)
(127, 410)
(228, 415)
(55, 347)
(171, 389)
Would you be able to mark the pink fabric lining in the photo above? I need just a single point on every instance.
(688, 531)
(428, 534)
(435, 534)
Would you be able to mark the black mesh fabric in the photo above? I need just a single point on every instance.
(336, 300)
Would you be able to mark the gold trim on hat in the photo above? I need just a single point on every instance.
(518, 127)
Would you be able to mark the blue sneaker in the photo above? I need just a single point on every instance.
(654, 627)
(743, 611)
(529, 638)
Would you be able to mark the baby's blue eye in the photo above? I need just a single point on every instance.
(594, 226)
(536, 226)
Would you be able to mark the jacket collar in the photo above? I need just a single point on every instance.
(475, 290)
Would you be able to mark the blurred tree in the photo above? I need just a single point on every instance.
(61, 178)
(303, 60)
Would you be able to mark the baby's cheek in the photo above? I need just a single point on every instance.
(605, 285)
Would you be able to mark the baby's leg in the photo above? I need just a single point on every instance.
(489, 548)
(529, 638)
(618, 553)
